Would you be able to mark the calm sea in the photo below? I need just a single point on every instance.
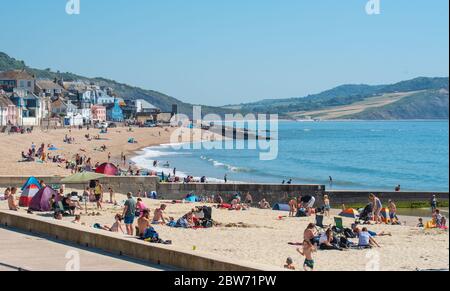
(358, 155)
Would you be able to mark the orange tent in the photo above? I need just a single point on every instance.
(350, 212)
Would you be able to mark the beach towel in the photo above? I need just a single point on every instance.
(150, 233)
(225, 206)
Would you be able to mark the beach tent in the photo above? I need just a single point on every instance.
(31, 181)
(191, 198)
(28, 194)
(281, 207)
(351, 213)
(40, 201)
(107, 169)
(385, 215)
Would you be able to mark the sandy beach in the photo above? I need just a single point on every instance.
(265, 238)
(116, 141)
(262, 238)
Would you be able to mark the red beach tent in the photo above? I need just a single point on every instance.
(107, 169)
(27, 194)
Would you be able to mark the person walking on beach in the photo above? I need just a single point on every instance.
(129, 213)
(293, 207)
(433, 203)
(307, 252)
(327, 205)
(331, 182)
(225, 178)
(98, 193)
(112, 196)
(376, 208)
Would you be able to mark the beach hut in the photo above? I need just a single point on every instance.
(107, 169)
(40, 201)
(28, 194)
(350, 213)
(385, 215)
(281, 207)
(31, 181)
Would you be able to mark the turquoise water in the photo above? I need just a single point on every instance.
(358, 155)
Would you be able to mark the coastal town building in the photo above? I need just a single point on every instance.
(8, 111)
(17, 79)
(30, 108)
(48, 88)
(98, 114)
(28, 101)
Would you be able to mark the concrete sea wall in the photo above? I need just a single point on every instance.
(166, 255)
(274, 193)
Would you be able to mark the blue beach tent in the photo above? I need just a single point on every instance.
(31, 181)
(281, 207)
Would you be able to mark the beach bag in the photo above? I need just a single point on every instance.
(344, 243)
(301, 213)
(207, 223)
(349, 233)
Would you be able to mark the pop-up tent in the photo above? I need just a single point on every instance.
(281, 207)
(191, 198)
(40, 201)
(351, 213)
(31, 181)
(107, 169)
(28, 194)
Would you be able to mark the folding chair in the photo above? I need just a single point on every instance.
(339, 223)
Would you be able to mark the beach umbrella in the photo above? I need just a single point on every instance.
(351, 213)
(107, 169)
(80, 178)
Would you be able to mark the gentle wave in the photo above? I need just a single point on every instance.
(228, 167)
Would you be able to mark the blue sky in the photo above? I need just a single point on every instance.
(224, 52)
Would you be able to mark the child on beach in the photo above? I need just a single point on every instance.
(307, 252)
(289, 264)
(293, 207)
(112, 196)
(420, 224)
(12, 200)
